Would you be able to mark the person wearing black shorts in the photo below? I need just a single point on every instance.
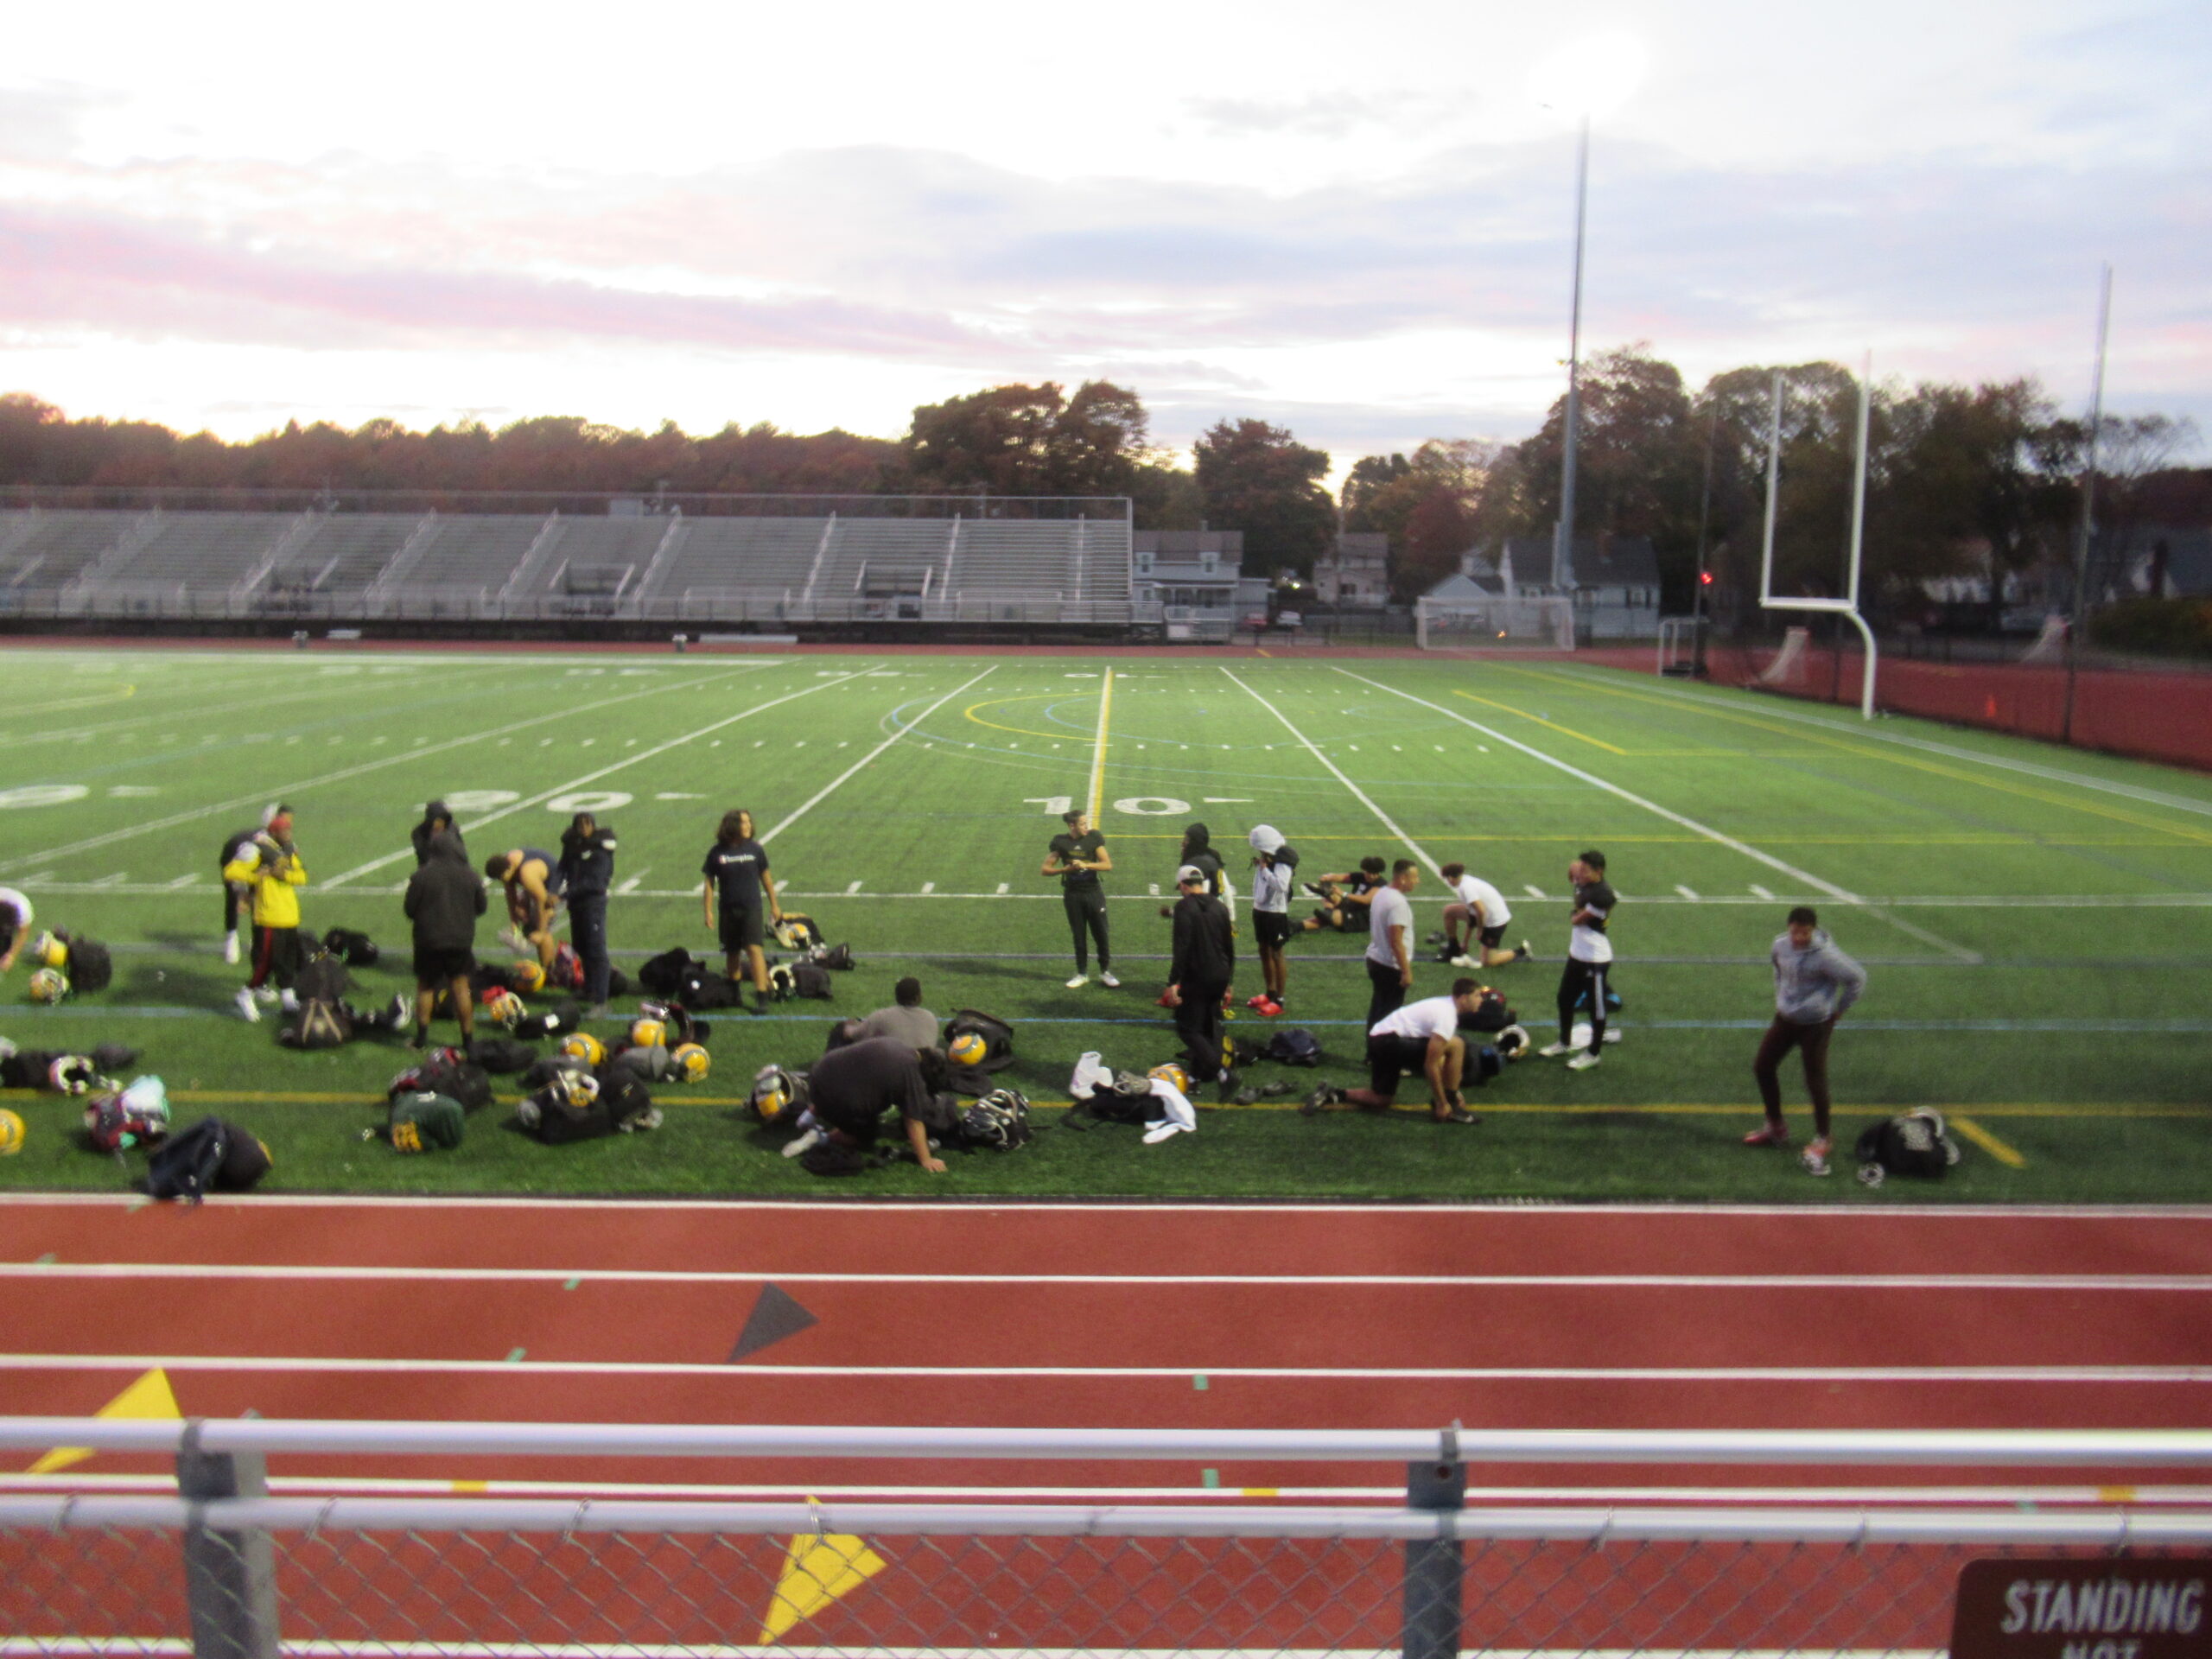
(444, 899)
(1079, 857)
(1422, 1037)
(736, 870)
(1274, 864)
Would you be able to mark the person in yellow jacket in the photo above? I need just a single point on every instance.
(268, 867)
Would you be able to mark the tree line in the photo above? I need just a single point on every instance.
(1962, 479)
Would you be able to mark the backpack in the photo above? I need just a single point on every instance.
(997, 1035)
(664, 976)
(565, 1015)
(572, 1107)
(445, 1071)
(502, 1056)
(623, 1098)
(1911, 1143)
(425, 1122)
(1491, 1014)
(1130, 1100)
(90, 967)
(997, 1123)
(1294, 1045)
(830, 1157)
(322, 979)
(321, 1025)
(354, 949)
(839, 957)
(211, 1156)
(703, 990)
(811, 979)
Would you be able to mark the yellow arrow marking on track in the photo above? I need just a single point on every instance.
(148, 1398)
(817, 1569)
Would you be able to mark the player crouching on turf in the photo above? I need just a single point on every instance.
(1423, 1034)
(1813, 984)
(852, 1086)
(268, 867)
(1481, 908)
(534, 884)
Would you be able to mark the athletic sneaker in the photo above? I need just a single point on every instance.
(266, 997)
(1553, 1051)
(1459, 1114)
(1815, 1156)
(1582, 1062)
(247, 1006)
(1769, 1134)
(1323, 1097)
(230, 947)
(1524, 954)
(804, 1140)
(1613, 1034)
(398, 1013)
(1078, 981)
(289, 1001)
(1108, 980)
(1268, 1008)
(1247, 1097)
(1462, 961)
(1255, 1002)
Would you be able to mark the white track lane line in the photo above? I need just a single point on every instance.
(835, 783)
(1842, 894)
(312, 1273)
(544, 796)
(279, 791)
(1388, 823)
(328, 1363)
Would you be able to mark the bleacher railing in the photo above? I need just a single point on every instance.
(221, 1569)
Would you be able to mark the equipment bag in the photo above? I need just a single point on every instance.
(811, 979)
(90, 968)
(503, 1056)
(1295, 1045)
(663, 975)
(629, 1107)
(837, 956)
(445, 1071)
(703, 990)
(320, 1024)
(1491, 1013)
(567, 973)
(1130, 1101)
(564, 1016)
(354, 949)
(570, 1107)
(997, 1123)
(1913, 1143)
(211, 1156)
(322, 978)
(650, 1064)
(426, 1123)
(997, 1035)
(834, 1158)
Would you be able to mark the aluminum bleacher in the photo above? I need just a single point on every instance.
(825, 562)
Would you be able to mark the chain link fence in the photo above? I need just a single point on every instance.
(221, 1572)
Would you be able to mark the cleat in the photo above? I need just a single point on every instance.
(1323, 1097)
(1463, 961)
(1553, 1051)
(247, 1006)
(1459, 1114)
(230, 947)
(1815, 1157)
(1269, 1009)
(1245, 1098)
(1078, 981)
(1524, 954)
(266, 996)
(1582, 1062)
(1255, 1002)
(1108, 980)
(1769, 1134)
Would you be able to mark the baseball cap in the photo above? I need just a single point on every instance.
(1188, 875)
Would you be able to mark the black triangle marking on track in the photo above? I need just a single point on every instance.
(774, 1317)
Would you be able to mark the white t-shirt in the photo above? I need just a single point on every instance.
(1432, 1016)
(1391, 909)
(1271, 887)
(12, 900)
(1473, 890)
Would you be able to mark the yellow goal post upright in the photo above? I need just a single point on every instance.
(1847, 605)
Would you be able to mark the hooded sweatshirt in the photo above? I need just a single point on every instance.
(433, 813)
(444, 897)
(1271, 875)
(1814, 984)
(1198, 848)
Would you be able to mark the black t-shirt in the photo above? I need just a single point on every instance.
(736, 872)
(1205, 859)
(1086, 847)
(854, 1086)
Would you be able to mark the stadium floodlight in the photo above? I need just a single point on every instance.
(1847, 605)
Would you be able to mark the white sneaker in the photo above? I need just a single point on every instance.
(1464, 961)
(1553, 1051)
(247, 1006)
(230, 947)
(1078, 981)
(1582, 1062)
(802, 1142)
(289, 1000)
(1613, 1034)
(266, 997)
(1108, 980)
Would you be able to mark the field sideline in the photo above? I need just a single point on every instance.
(2022, 911)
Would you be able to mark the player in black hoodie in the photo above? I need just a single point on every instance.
(588, 867)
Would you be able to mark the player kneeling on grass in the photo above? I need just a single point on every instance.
(1813, 984)
(853, 1087)
(1423, 1035)
(1482, 910)
(268, 867)
(444, 899)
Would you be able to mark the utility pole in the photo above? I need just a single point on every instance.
(2085, 528)
(1563, 535)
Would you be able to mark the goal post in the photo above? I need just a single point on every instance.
(1848, 606)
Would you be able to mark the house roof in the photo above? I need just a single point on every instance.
(1464, 586)
(1599, 561)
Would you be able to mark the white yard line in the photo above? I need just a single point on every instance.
(1388, 823)
(384, 1272)
(279, 791)
(832, 786)
(740, 1373)
(1842, 894)
(628, 760)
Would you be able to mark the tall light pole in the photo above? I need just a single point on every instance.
(2085, 527)
(1563, 533)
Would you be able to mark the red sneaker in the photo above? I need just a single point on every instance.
(1771, 1134)
(1255, 1002)
(1266, 1007)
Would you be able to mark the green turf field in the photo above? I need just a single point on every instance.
(2037, 923)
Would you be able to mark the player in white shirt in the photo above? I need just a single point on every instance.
(16, 916)
(1390, 941)
(1421, 1036)
(1485, 912)
(1589, 962)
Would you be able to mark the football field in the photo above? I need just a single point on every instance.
(2036, 923)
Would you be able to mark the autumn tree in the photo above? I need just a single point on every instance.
(1029, 440)
(1259, 478)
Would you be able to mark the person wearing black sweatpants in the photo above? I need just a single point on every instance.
(1198, 977)
(1079, 857)
(587, 868)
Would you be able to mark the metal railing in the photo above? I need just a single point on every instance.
(221, 1569)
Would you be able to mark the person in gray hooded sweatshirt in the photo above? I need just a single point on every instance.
(1813, 984)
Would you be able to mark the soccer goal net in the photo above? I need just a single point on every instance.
(1788, 667)
(1459, 624)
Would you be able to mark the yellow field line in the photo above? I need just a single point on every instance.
(1570, 731)
(1988, 1142)
(2196, 837)
(121, 694)
(1098, 761)
(968, 712)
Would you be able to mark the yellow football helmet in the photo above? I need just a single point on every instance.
(50, 952)
(49, 985)
(691, 1062)
(773, 1090)
(528, 976)
(969, 1048)
(648, 1032)
(583, 1046)
(1172, 1075)
(503, 1008)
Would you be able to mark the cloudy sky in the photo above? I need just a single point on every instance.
(1355, 221)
